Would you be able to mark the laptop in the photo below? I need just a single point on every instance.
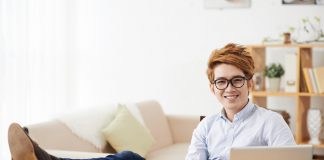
(293, 152)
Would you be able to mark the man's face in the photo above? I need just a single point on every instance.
(232, 98)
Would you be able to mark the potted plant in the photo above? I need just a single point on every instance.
(274, 72)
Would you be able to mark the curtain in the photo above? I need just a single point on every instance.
(33, 62)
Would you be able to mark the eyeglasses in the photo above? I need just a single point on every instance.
(237, 82)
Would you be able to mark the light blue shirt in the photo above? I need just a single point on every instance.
(252, 126)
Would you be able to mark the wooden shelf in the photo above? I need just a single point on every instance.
(273, 94)
(285, 94)
(320, 145)
(305, 94)
(310, 45)
(302, 97)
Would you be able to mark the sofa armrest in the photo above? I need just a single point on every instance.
(182, 127)
(55, 135)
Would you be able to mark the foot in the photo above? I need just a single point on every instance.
(21, 147)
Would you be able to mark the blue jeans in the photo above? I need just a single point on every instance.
(124, 155)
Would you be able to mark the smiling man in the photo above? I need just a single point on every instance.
(240, 123)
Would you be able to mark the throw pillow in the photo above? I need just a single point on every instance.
(127, 133)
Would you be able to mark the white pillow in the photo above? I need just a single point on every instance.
(88, 123)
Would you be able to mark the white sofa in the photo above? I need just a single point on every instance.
(172, 134)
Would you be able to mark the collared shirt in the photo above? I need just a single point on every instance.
(252, 126)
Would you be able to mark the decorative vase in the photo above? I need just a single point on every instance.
(287, 38)
(274, 84)
(314, 122)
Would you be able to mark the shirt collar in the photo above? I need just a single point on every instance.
(243, 114)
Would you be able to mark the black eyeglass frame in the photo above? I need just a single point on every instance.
(228, 81)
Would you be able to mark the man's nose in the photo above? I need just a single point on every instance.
(230, 86)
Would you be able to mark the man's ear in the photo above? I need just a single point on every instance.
(212, 88)
(250, 84)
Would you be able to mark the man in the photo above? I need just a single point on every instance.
(240, 123)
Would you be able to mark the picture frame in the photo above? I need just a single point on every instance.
(224, 4)
(258, 79)
(319, 2)
(299, 2)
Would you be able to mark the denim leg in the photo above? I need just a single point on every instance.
(127, 155)
(124, 155)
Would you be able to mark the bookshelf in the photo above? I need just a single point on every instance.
(302, 96)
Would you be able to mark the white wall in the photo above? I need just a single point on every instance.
(126, 50)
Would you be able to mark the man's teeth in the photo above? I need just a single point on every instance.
(231, 97)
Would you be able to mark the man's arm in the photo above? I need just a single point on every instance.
(198, 147)
(277, 132)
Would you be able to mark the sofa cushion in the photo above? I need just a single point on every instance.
(127, 133)
(172, 152)
(156, 121)
(76, 154)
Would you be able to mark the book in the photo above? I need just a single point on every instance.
(313, 81)
(319, 77)
(308, 80)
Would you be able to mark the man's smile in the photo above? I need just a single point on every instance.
(231, 97)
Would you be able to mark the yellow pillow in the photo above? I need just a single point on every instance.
(126, 133)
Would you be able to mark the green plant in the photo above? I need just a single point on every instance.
(274, 71)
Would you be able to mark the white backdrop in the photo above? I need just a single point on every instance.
(81, 53)
(33, 63)
(137, 50)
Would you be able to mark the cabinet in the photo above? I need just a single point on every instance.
(302, 96)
